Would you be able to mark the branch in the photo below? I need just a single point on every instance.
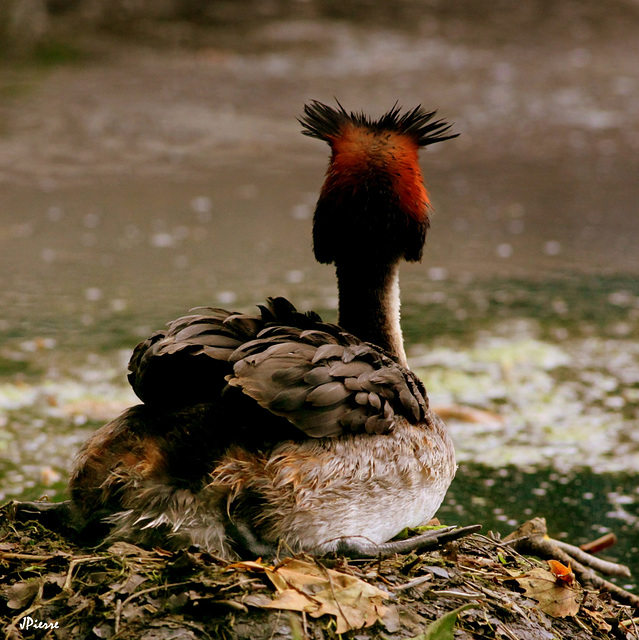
(532, 539)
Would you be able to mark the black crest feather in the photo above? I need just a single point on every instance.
(327, 123)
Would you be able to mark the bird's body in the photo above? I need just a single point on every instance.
(279, 429)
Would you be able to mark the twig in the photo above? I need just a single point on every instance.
(532, 539)
(157, 587)
(230, 604)
(506, 631)
(120, 607)
(628, 622)
(415, 582)
(609, 568)
(595, 546)
(304, 626)
(458, 594)
(510, 543)
(619, 594)
(118, 614)
(73, 564)
(239, 584)
(27, 556)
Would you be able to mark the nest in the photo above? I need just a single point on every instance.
(475, 587)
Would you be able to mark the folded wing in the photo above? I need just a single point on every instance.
(320, 379)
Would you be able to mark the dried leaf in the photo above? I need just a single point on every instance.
(258, 600)
(132, 583)
(97, 577)
(104, 630)
(391, 619)
(55, 578)
(598, 620)
(555, 597)
(561, 572)
(21, 594)
(305, 586)
(440, 572)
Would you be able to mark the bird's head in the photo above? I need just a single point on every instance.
(373, 201)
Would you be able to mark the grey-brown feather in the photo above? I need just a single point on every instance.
(350, 387)
(321, 379)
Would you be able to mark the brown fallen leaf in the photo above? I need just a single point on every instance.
(309, 587)
(555, 597)
(21, 594)
(598, 619)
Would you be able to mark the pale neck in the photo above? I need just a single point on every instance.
(369, 305)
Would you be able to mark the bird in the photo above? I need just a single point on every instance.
(277, 432)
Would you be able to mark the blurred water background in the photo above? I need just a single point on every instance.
(150, 162)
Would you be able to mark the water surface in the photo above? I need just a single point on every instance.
(143, 181)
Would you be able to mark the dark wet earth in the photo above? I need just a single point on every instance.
(141, 179)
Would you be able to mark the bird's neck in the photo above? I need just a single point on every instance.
(369, 305)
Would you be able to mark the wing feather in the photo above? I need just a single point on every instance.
(328, 394)
(314, 375)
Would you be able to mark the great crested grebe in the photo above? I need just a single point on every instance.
(278, 429)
